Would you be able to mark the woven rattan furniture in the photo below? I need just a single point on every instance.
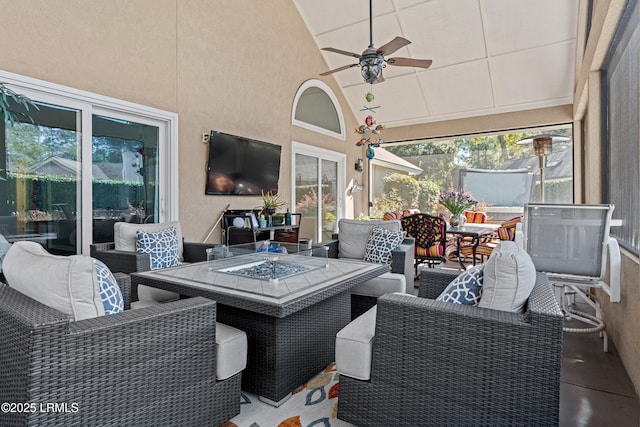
(402, 258)
(437, 363)
(291, 325)
(148, 367)
(130, 262)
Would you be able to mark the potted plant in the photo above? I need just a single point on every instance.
(270, 203)
(277, 219)
(329, 221)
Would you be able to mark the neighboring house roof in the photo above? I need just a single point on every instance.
(391, 161)
(559, 165)
(65, 167)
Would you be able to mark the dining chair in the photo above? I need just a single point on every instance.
(430, 234)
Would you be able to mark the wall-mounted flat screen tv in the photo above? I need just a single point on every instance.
(241, 166)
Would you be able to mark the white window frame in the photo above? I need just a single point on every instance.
(321, 154)
(91, 103)
(326, 89)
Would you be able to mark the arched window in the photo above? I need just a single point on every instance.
(315, 107)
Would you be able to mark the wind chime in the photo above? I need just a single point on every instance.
(369, 130)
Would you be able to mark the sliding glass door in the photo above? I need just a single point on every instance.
(71, 168)
(318, 177)
(125, 174)
(40, 181)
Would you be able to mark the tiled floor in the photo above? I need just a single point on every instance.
(595, 389)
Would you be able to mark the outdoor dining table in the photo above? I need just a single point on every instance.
(475, 232)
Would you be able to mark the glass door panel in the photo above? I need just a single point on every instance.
(40, 192)
(316, 185)
(125, 174)
(306, 170)
(329, 192)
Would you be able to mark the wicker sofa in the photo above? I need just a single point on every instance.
(437, 363)
(148, 367)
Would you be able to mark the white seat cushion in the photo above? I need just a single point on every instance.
(354, 346)
(151, 294)
(231, 351)
(383, 284)
(125, 237)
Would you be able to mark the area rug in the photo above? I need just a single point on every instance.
(314, 404)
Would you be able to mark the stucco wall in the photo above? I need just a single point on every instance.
(231, 66)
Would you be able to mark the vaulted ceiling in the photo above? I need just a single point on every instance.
(489, 56)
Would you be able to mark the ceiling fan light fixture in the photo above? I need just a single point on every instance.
(371, 68)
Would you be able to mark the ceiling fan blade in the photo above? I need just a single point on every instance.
(380, 80)
(344, 67)
(410, 62)
(393, 45)
(341, 52)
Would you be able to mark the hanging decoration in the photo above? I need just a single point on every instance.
(369, 97)
(369, 131)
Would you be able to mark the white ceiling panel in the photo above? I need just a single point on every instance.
(513, 25)
(447, 32)
(387, 95)
(328, 15)
(534, 75)
(489, 56)
(461, 87)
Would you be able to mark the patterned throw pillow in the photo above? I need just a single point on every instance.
(110, 292)
(381, 243)
(162, 247)
(465, 289)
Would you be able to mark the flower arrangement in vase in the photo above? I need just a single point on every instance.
(457, 202)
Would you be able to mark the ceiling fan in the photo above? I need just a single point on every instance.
(372, 60)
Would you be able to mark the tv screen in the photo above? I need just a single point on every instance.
(241, 166)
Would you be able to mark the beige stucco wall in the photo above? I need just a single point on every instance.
(231, 66)
(622, 319)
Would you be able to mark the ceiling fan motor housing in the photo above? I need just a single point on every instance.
(371, 64)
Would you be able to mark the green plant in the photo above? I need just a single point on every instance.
(329, 217)
(6, 95)
(271, 200)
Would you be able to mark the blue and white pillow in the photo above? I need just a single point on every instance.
(465, 289)
(162, 247)
(110, 292)
(381, 244)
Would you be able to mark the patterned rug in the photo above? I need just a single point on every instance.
(315, 404)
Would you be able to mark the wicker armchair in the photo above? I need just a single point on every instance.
(147, 367)
(401, 262)
(132, 262)
(437, 363)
